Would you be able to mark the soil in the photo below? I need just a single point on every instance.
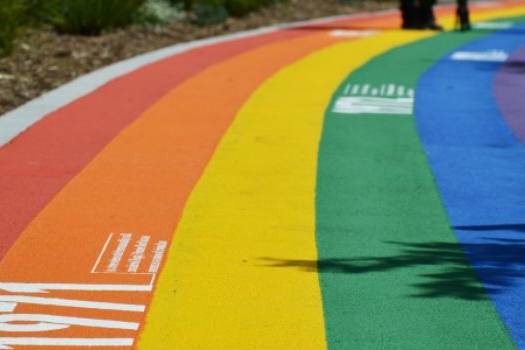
(43, 60)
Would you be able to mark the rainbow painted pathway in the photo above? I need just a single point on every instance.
(338, 184)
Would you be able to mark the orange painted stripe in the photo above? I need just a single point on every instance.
(382, 22)
(138, 184)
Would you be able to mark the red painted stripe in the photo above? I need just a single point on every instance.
(38, 163)
(136, 187)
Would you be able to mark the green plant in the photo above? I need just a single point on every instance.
(160, 12)
(243, 7)
(206, 12)
(41, 11)
(232, 7)
(185, 3)
(91, 17)
(11, 19)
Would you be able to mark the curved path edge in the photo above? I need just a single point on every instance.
(14, 122)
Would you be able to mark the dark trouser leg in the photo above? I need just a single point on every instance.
(408, 14)
(426, 14)
(463, 15)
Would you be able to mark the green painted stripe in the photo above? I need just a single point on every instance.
(391, 271)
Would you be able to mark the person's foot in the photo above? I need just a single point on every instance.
(410, 26)
(464, 20)
(465, 26)
(434, 26)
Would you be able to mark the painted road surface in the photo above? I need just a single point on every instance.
(337, 184)
(478, 159)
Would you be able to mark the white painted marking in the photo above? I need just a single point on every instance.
(7, 342)
(138, 254)
(70, 303)
(102, 253)
(343, 33)
(15, 287)
(32, 327)
(481, 56)
(16, 121)
(391, 90)
(7, 307)
(160, 249)
(374, 105)
(44, 323)
(118, 253)
(493, 25)
(400, 90)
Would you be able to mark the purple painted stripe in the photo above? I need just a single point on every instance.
(509, 89)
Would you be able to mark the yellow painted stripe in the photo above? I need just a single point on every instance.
(449, 21)
(256, 201)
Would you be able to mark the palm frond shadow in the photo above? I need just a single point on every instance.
(500, 263)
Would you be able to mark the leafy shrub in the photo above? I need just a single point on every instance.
(91, 17)
(161, 12)
(209, 12)
(11, 19)
(187, 4)
(232, 7)
(243, 7)
(41, 11)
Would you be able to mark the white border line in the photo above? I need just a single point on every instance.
(6, 343)
(84, 304)
(18, 120)
(94, 269)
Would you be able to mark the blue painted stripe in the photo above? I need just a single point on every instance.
(479, 166)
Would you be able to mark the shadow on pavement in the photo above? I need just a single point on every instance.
(514, 67)
(500, 262)
(509, 67)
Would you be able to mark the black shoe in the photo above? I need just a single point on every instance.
(434, 26)
(463, 19)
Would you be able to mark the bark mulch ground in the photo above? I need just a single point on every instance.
(43, 60)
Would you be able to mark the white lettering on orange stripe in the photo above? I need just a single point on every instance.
(14, 299)
(159, 251)
(7, 306)
(15, 287)
(44, 323)
(7, 342)
(27, 322)
(124, 240)
(138, 254)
